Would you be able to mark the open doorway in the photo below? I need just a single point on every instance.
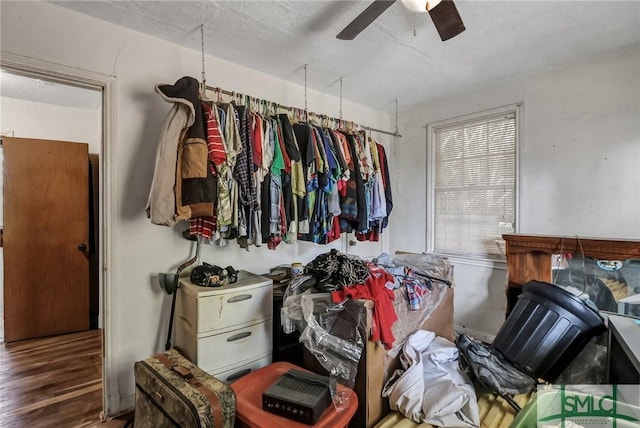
(36, 108)
(46, 101)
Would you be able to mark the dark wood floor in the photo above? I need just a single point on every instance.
(52, 382)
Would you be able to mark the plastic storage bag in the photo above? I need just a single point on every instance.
(338, 356)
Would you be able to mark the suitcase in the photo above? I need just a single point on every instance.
(173, 392)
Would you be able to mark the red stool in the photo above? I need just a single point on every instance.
(249, 391)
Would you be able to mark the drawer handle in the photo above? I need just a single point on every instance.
(239, 298)
(239, 336)
(238, 375)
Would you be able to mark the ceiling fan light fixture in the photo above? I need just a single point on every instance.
(431, 4)
(446, 19)
(443, 13)
(415, 5)
(363, 20)
(420, 5)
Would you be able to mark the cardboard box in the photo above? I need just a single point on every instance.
(376, 366)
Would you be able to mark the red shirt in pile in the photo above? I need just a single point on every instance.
(374, 288)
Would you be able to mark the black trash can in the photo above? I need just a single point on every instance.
(547, 329)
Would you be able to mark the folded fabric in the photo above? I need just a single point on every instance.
(431, 388)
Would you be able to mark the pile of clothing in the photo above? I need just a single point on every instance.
(333, 281)
(431, 387)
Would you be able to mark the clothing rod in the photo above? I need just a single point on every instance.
(383, 132)
(289, 108)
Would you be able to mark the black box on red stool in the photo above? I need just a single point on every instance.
(299, 395)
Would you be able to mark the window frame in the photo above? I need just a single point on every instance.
(431, 129)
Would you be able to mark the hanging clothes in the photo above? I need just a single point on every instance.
(227, 204)
(161, 203)
(205, 226)
(276, 217)
(285, 180)
(215, 145)
(381, 196)
(192, 185)
(353, 204)
(387, 185)
(247, 195)
(375, 201)
(297, 185)
(264, 177)
(303, 135)
(257, 130)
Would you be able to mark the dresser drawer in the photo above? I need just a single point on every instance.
(219, 351)
(231, 375)
(240, 307)
(205, 310)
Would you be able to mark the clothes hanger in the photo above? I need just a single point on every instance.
(203, 94)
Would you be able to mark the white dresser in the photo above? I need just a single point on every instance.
(226, 331)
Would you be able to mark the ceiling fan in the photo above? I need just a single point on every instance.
(444, 15)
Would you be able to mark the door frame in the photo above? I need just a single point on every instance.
(35, 68)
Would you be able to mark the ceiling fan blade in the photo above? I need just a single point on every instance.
(447, 20)
(363, 20)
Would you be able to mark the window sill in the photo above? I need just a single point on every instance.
(476, 261)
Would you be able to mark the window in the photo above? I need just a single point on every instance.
(472, 189)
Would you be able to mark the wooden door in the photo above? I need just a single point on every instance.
(45, 238)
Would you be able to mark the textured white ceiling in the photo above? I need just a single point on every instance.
(504, 39)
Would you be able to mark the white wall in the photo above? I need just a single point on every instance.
(141, 250)
(579, 158)
(29, 119)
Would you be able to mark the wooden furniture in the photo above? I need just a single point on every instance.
(226, 331)
(529, 256)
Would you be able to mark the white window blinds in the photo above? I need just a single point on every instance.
(474, 198)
